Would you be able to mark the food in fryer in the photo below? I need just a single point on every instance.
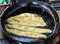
(29, 29)
(28, 19)
(25, 24)
(26, 34)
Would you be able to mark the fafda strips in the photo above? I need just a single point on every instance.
(25, 25)
(28, 19)
(29, 29)
(25, 34)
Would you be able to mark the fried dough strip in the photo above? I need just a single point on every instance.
(28, 18)
(27, 23)
(29, 29)
(26, 34)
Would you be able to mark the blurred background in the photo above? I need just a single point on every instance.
(5, 3)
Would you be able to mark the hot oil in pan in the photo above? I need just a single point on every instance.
(47, 18)
(42, 27)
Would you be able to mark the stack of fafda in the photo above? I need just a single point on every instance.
(25, 24)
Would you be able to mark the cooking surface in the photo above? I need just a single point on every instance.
(6, 42)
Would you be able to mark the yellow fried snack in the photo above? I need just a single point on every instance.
(26, 34)
(27, 19)
(25, 25)
(29, 29)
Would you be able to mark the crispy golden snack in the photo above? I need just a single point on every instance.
(25, 25)
(29, 29)
(26, 34)
(28, 19)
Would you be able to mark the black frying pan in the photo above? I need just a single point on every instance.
(42, 9)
